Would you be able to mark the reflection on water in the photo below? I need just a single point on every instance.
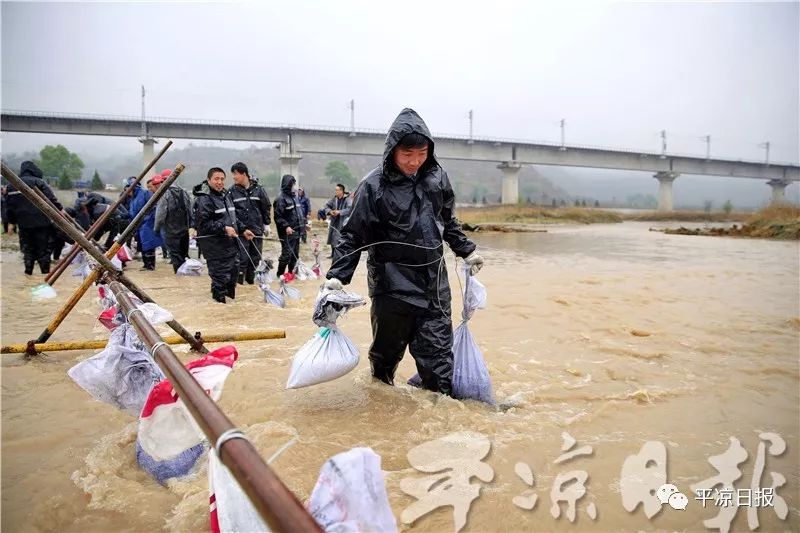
(613, 333)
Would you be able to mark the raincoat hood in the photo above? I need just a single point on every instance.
(29, 168)
(204, 188)
(408, 121)
(286, 183)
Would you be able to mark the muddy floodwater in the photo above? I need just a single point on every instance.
(609, 334)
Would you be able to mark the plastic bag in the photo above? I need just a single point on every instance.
(350, 494)
(190, 267)
(303, 272)
(194, 251)
(107, 298)
(471, 379)
(82, 270)
(122, 374)
(169, 441)
(231, 509)
(43, 291)
(330, 305)
(154, 314)
(328, 355)
(124, 254)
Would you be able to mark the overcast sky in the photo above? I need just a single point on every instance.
(618, 73)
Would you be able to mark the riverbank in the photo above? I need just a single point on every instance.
(774, 222)
(502, 215)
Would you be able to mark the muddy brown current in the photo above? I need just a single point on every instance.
(610, 333)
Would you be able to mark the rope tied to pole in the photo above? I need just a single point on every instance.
(233, 433)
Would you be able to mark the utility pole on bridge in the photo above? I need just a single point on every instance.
(352, 118)
(470, 115)
(766, 148)
(707, 139)
(663, 144)
(563, 147)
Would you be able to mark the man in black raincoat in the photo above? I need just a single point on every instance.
(408, 199)
(252, 212)
(338, 209)
(216, 225)
(34, 227)
(290, 222)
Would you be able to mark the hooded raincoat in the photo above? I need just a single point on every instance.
(406, 281)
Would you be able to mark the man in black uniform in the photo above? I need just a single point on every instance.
(173, 220)
(252, 213)
(290, 222)
(35, 229)
(215, 221)
(408, 199)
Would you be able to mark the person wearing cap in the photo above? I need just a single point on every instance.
(217, 233)
(408, 199)
(146, 234)
(34, 228)
(290, 223)
(253, 214)
(172, 222)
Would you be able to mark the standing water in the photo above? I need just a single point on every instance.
(610, 335)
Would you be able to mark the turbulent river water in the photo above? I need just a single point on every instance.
(611, 334)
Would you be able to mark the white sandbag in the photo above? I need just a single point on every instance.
(122, 374)
(328, 355)
(330, 305)
(43, 291)
(350, 494)
(231, 509)
(190, 267)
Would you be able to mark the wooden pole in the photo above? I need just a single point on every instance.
(174, 339)
(276, 504)
(65, 261)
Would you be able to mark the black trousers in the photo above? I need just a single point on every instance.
(290, 251)
(178, 248)
(223, 272)
(428, 332)
(249, 256)
(149, 259)
(35, 246)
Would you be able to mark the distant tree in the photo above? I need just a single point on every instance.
(583, 203)
(563, 203)
(339, 172)
(707, 205)
(555, 202)
(577, 203)
(727, 207)
(271, 182)
(596, 203)
(97, 183)
(64, 183)
(484, 199)
(529, 200)
(474, 198)
(58, 161)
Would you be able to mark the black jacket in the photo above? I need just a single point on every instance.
(252, 206)
(288, 212)
(174, 213)
(19, 210)
(212, 212)
(390, 206)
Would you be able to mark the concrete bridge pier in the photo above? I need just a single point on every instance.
(290, 162)
(148, 149)
(510, 171)
(665, 180)
(778, 190)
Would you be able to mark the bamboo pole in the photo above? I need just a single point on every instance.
(98, 255)
(173, 339)
(276, 504)
(95, 252)
(65, 261)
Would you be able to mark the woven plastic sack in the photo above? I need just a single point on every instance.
(231, 509)
(328, 355)
(350, 494)
(124, 254)
(122, 374)
(287, 291)
(330, 305)
(190, 267)
(43, 291)
(169, 442)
